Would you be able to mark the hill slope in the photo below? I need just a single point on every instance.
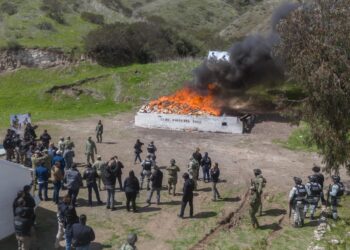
(58, 23)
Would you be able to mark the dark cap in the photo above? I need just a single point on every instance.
(297, 180)
(316, 168)
(257, 171)
(185, 176)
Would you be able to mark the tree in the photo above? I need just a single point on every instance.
(315, 46)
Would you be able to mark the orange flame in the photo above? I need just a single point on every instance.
(187, 101)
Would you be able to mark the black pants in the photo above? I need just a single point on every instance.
(93, 186)
(120, 182)
(131, 198)
(186, 200)
(73, 194)
(137, 157)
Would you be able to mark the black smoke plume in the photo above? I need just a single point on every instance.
(251, 60)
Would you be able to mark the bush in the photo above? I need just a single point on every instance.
(92, 18)
(45, 26)
(14, 45)
(54, 10)
(8, 8)
(120, 44)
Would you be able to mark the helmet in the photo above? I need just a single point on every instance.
(172, 161)
(297, 180)
(316, 168)
(312, 178)
(257, 171)
(336, 178)
(132, 238)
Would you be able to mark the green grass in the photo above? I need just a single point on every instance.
(122, 89)
(300, 139)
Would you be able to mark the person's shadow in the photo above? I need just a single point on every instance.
(98, 246)
(206, 214)
(274, 212)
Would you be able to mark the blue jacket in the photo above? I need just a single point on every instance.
(60, 159)
(42, 174)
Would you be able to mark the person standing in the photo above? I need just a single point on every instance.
(118, 166)
(206, 165)
(255, 197)
(198, 157)
(57, 181)
(297, 199)
(193, 170)
(320, 179)
(100, 167)
(42, 177)
(99, 131)
(61, 145)
(314, 193)
(28, 199)
(146, 171)
(157, 180)
(172, 176)
(82, 235)
(70, 218)
(90, 176)
(131, 188)
(73, 180)
(45, 139)
(110, 177)
(260, 176)
(52, 150)
(131, 242)
(9, 145)
(335, 191)
(215, 174)
(62, 206)
(187, 196)
(23, 224)
(90, 150)
(68, 156)
(152, 149)
(138, 150)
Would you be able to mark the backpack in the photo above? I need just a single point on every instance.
(69, 215)
(148, 165)
(301, 192)
(341, 189)
(315, 189)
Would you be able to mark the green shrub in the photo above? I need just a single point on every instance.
(8, 8)
(45, 26)
(92, 18)
(14, 45)
(54, 10)
(120, 44)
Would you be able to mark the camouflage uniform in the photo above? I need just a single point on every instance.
(172, 177)
(263, 185)
(90, 150)
(100, 167)
(69, 143)
(193, 170)
(127, 246)
(255, 199)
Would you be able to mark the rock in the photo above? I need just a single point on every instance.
(334, 242)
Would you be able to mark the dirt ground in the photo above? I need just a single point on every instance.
(157, 225)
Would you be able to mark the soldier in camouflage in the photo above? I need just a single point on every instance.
(193, 170)
(172, 176)
(99, 131)
(131, 241)
(90, 150)
(263, 186)
(255, 197)
(99, 166)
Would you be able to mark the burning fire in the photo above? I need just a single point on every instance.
(185, 101)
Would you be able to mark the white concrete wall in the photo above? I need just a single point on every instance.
(12, 179)
(223, 124)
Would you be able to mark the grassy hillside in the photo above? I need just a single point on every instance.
(200, 20)
(113, 90)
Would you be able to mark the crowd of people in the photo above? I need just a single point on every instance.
(57, 165)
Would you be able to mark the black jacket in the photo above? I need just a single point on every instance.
(117, 167)
(137, 147)
(29, 200)
(110, 176)
(131, 185)
(197, 156)
(157, 178)
(45, 138)
(215, 173)
(82, 235)
(69, 215)
(320, 178)
(90, 175)
(188, 189)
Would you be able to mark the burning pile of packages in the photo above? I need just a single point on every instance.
(184, 102)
